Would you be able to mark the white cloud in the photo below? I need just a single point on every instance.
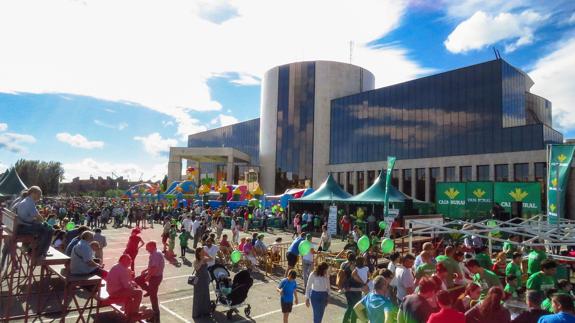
(90, 167)
(13, 142)
(167, 123)
(173, 50)
(120, 126)
(483, 29)
(553, 76)
(78, 141)
(571, 19)
(3, 168)
(464, 8)
(155, 145)
(224, 120)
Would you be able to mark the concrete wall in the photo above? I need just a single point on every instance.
(268, 129)
(332, 80)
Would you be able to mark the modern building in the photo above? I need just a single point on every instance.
(478, 122)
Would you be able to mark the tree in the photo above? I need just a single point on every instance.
(46, 175)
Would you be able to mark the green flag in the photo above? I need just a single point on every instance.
(390, 164)
(560, 158)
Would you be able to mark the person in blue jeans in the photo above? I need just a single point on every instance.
(564, 309)
(288, 291)
(317, 291)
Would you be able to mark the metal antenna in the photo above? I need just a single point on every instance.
(350, 51)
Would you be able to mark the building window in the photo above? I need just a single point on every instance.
(370, 177)
(521, 172)
(501, 173)
(449, 175)
(395, 178)
(540, 172)
(465, 173)
(433, 178)
(420, 184)
(349, 183)
(483, 173)
(340, 177)
(360, 181)
(407, 181)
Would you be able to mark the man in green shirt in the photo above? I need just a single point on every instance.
(514, 268)
(450, 264)
(483, 277)
(543, 280)
(426, 269)
(536, 256)
(483, 258)
(563, 288)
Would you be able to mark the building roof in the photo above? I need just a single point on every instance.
(11, 183)
(328, 191)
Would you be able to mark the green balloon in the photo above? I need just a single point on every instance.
(387, 245)
(382, 225)
(236, 256)
(70, 226)
(304, 248)
(363, 243)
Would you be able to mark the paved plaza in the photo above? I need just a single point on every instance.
(176, 296)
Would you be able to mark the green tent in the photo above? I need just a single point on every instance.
(11, 183)
(375, 194)
(328, 191)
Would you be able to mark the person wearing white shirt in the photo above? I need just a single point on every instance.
(317, 291)
(195, 225)
(212, 251)
(307, 261)
(187, 224)
(405, 278)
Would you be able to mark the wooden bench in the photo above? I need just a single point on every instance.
(19, 272)
(105, 300)
(73, 284)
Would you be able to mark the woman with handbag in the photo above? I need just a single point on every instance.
(201, 304)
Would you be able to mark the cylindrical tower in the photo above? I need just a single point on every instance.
(295, 119)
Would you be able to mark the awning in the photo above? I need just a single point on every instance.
(329, 191)
(375, 194)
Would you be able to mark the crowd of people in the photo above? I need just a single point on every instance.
(441, 283)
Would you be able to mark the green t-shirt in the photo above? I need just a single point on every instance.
(513, 270)
(534, 261)
(484, 260)
(184, 239)
(452, 267)
(547, 304)
(509, 248)
(486, 281)
(541, 282)
(511, 290)
(424, 270)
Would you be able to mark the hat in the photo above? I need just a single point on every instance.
(308, 236)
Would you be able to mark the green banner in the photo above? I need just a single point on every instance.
(389, 171)
(529, 193)
(451, 198)
(479, 198)
(560, 158)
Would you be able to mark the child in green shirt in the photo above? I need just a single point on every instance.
(514, 268)
(184, 236)
(483, 258)
(511, 286)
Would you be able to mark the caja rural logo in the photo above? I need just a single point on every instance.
(452, 193)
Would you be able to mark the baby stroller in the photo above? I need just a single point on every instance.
(231, 295)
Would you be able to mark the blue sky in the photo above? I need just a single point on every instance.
(111, 98)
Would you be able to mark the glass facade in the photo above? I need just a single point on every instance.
(540, 172)
(449, 174)
(483, 172)
(521, 172)
(465, 173)
(472, 110)
(501, 173)
(294, 142)
(420, 184)
(395, 178)
(407, 181)
(349, 182)
(433, 179)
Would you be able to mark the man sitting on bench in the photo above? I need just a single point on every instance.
(30, 222)
(82, 261)
(122, 288)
